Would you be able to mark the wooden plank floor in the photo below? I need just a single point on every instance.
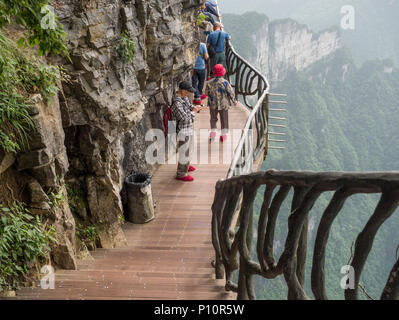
(168, 258)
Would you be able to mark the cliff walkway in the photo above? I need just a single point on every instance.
(168, 258)
(171, 257)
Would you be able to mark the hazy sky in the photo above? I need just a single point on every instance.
(376, 24)
(273, 8)
(317, 13)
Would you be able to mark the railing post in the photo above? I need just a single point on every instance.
(301, 254)
(217, 208)
(219, 268)
(237, 79)
(229, 63)
(298, 198)
(266, 119)
(246, 290)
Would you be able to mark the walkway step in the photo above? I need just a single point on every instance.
(118, 294)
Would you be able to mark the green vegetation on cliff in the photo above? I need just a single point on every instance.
(41, 24)
(24, 241)
(126, 47)
(20, 76)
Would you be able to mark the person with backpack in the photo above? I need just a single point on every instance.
(220, 98)
(199, 74)
(216, 45)
(183, 112)
(210, 7)
(205, 27)
(205, 15)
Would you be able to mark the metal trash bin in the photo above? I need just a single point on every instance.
(140, 204)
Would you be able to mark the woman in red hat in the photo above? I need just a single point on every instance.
(220, 98)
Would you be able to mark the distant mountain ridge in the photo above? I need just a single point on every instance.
(376, 25)
(277, 47)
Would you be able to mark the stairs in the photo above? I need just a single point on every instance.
(126, 274)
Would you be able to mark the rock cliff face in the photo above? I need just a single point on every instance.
(110, 105)
(93, 133)
(31, 176)
(285, 45)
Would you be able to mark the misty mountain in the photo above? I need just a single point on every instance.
(278, 46)
(376, 24)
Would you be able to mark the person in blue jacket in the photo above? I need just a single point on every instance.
(199, 74)
(209, 16)
(211, 8)
(217, 39)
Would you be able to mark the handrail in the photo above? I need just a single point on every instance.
(247, 81)
(240, 151)
(233, 249)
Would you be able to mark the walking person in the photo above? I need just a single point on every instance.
(199, 75)
(216, 45)
(205, 26)
(205, 14)
(220, 98)
(183, 112)
(205, 29)
(211, 8)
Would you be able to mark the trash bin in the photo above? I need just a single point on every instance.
(139, 198)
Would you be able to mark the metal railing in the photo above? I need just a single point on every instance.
(249, 84)
(233, 247)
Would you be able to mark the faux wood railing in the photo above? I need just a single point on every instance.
(233, 249)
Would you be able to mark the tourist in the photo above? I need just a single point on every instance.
(216, 44)
(220, 98)
(205, 25)
(207, 14)
(183, 112)
(211, 8)
(199, 74)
